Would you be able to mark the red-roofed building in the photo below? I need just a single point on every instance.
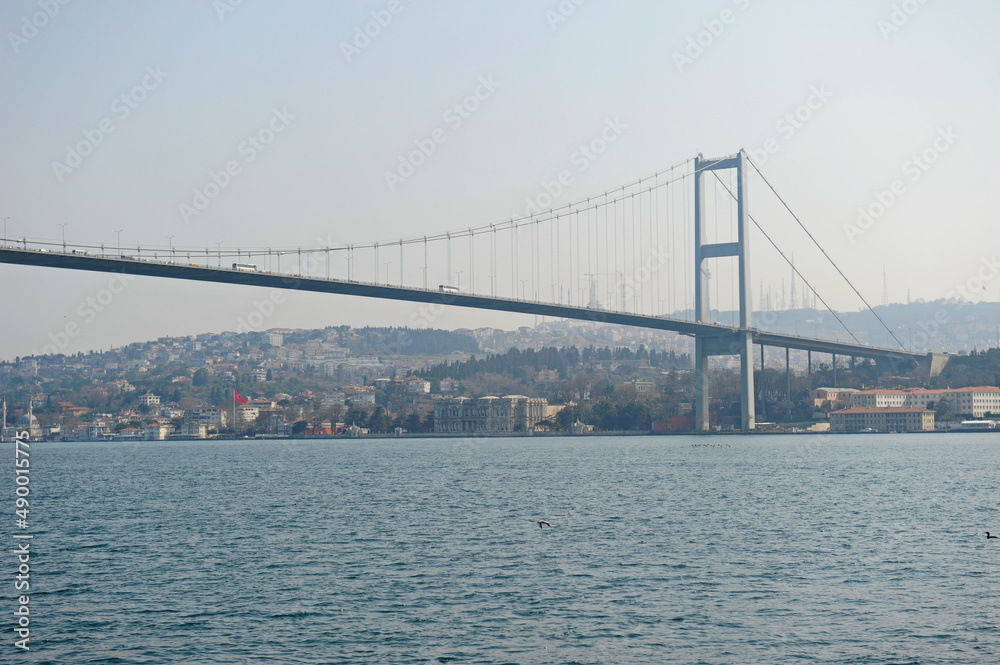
(976, 401)
(68, 408)
(879, 398)
(882, 419)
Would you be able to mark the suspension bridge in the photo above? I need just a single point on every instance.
(627, 256)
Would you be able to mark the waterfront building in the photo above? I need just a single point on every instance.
(832, 398)
(26, 423)
(878, 398)
(882, 419)
(157, 432)
(213, 416)
(490, 415)
(247, 413)
(976, 401)
(194, 429)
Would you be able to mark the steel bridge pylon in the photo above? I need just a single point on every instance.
(740, 341)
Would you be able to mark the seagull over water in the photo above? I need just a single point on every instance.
(542, 524)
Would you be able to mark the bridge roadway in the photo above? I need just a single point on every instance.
(721, 334)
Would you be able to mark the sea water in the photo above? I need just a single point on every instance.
(684, 549)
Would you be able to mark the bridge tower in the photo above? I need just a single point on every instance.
(738, 342)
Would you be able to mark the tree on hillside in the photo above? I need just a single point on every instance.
(943, 409)
(380, 421)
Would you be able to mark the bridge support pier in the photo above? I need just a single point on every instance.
(788, 383)
(701, 387)
(747, 408)
(739, 342)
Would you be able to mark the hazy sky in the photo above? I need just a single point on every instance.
(162, 94)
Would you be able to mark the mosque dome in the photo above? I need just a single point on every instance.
(28, 420)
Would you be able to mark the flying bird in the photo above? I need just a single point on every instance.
(542, 524)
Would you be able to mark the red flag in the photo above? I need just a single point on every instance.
(238, 397)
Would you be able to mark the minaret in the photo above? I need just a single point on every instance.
(885, 288)
(708, 292)
(793, 296)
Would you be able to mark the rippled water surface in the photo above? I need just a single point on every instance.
(729, 549)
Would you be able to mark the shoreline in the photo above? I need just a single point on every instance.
(508, 435)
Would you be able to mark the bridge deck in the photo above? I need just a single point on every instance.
(367, 290)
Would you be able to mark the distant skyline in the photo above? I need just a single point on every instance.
(284, 124)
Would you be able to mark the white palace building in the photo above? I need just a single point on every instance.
(491, 415)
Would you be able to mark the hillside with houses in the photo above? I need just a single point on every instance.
(554, 377)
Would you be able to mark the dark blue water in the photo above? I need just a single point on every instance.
(794, 549)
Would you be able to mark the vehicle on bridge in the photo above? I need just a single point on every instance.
(444, 288)
(246, 267)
